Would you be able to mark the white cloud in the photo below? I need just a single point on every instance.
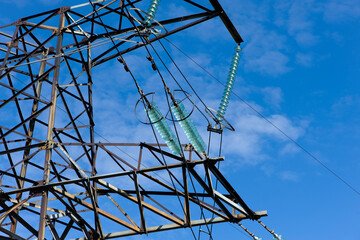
(289, 176)
(271, 62)
(303, 59)
(346, 105)
(336, 10)
(300, 25)
(273, 96)
(306, 39)
(289, 148)
(253, 134)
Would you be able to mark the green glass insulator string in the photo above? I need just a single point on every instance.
(229, 85)
(188, 127)
(151, 11)
(163, 129)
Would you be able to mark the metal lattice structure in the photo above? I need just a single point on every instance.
(51, 186)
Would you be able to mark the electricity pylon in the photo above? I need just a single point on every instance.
(51, 183)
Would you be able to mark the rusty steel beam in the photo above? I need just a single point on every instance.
(51, 122)
(168, 227)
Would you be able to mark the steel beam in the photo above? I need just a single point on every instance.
(51, 123)
(166, 227)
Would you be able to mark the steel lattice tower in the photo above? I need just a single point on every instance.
(50, 183)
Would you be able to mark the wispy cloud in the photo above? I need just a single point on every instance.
(277, 34)
(289, 176)
(300, 24)
(253, 135)
(303, 59)
(348, 103)
(336, 10)
(270, 62)
(273, 96)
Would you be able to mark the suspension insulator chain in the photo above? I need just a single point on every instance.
(188, 127)
(164, 129)
(229, 84)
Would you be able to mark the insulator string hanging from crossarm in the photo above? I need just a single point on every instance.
(188, 127)
(162, 126)
(156, 118)
(229, 84)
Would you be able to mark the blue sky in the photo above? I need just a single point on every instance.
(300, 68)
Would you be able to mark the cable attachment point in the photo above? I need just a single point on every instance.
(147, 101)
(215, 130)
(219, 123)
(153, 65)
(145, 33)
(121, 60)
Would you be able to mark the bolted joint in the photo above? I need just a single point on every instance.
(19, 22)
(94, 235)
(36, 192)
(64, 9)
(48, 145)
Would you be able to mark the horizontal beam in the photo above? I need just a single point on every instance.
(161, 193)
(23, 148)
(110, 175)
(166, 227)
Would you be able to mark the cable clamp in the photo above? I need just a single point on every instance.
(145, 33)
(121, 60)
(153, 65)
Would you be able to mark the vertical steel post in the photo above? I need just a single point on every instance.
(92, 124)
(30, 134)
(187, 218)
(98, 227)
(48, 154)
(11, 44)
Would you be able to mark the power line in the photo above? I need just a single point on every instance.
(272, 124)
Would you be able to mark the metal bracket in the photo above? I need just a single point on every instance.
(48, 145)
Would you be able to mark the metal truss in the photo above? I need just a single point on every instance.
(51, 185)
